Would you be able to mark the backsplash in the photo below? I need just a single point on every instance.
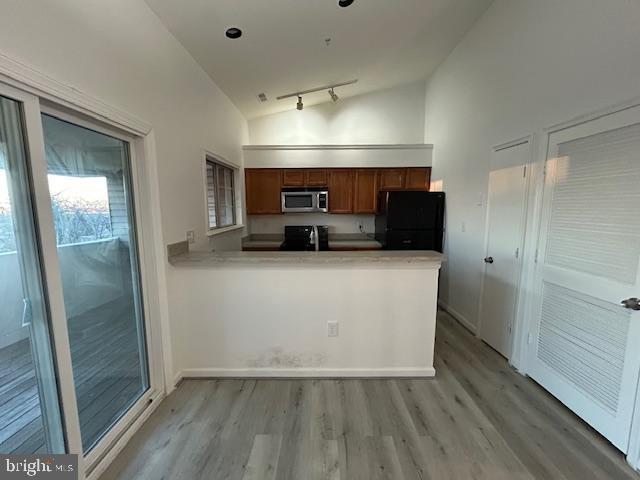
(264, 224)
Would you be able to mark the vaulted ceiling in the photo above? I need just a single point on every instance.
(283, 48)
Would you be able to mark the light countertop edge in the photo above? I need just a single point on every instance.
(416, 258)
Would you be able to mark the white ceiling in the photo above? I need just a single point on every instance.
(380, 42)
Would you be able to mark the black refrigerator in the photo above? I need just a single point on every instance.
(410, 220)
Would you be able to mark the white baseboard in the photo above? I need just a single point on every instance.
(460, 318)
(177, 379)
(307, 372)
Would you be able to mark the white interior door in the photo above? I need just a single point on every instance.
(586, 350)
(505, 220)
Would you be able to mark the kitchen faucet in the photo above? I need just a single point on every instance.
(314, 237)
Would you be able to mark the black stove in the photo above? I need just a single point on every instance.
(297, 238)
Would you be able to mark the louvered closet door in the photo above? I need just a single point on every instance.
(587, 344)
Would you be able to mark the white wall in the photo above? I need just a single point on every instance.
(388, 116)
(338, 156)
(524, 66)
(272, 319)
(119, 52)
(340, 224)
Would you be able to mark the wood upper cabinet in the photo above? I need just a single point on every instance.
(341, 191)
(300, 177)
(315, 178)
(293, 177)
(418, 178)
(350, 190)
(263, 191)
(391, 178)
(365, 190)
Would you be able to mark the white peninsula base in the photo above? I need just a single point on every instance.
(267, 314)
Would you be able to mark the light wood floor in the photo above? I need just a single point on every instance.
(477, 419)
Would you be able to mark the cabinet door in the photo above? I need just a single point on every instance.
(315, 177)
(418, 178)
(365, 190)
(341, 191)
(293, 178)
(263, 191)
(392, 178)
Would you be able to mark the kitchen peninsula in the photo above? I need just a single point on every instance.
(306, 314)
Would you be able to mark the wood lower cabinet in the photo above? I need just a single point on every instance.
(341, 191)
(365, 190)
(418, 179)
(263, 191)
(391, 178)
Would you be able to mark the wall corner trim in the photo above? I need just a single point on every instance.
(23, 76)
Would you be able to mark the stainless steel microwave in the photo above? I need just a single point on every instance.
(305, 200)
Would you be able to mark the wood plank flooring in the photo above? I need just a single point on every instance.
(477, 419)
(106, 365)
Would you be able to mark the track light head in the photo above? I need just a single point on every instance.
(299, 105)
(333, 95)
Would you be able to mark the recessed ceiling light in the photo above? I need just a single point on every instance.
(233, 32)
(345, 3)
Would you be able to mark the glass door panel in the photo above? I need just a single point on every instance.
(91, 197)
(30, 419)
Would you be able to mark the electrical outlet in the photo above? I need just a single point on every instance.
(191, 236)
(332, 329)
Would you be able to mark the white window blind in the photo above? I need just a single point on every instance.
(221, 202)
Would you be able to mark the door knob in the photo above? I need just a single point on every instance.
(632, 303)
(488, 260)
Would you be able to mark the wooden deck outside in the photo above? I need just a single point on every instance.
(104, 352)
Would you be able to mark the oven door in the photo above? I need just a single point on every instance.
(299, 202)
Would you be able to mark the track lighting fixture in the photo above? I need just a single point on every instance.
(329, 88)
(345, 3)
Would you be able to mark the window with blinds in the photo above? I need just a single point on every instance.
(221, 202)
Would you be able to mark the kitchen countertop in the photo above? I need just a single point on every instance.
(416, 258)
(337, 241)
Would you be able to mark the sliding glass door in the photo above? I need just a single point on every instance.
(30, 417)
(90, 188)
(74, 368)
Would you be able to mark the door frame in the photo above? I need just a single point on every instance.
(33, 88)
(46, 240)
(516, 322)
(529, 288)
